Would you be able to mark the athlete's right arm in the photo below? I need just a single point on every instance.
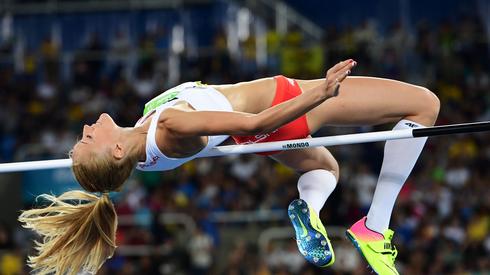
(202, 123)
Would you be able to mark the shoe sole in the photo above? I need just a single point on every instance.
(308, 239)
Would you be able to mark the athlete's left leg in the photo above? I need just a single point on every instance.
(362, 101)
(366, 100)
(372, 101)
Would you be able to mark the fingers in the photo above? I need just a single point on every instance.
(337, 74)
(340, 71)
(339, 66)
(344, 71)
(343, 75)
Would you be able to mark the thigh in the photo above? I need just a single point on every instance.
(303, 160)
(370, 101)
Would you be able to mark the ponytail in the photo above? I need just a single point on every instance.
(78, 233)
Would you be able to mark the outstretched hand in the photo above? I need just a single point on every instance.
(336, 75)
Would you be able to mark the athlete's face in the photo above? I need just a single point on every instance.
(99, 137)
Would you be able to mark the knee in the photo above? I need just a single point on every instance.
(433, 104)
(331, 165)
(430, 106)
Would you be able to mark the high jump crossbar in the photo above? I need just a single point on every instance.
(287, 144)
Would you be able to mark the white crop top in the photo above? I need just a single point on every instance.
(201, 98)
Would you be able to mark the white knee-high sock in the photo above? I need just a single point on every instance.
(315, 187)
(398, 161)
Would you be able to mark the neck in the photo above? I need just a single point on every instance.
(134, 139)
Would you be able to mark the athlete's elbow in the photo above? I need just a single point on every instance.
(256, 127)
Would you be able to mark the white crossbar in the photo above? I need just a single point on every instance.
(482, 126)
(239, 149)
(307, 142)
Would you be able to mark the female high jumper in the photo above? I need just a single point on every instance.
(186, 121)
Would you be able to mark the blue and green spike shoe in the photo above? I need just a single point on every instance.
(311, 235)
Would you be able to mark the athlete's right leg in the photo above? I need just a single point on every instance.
(319, 173)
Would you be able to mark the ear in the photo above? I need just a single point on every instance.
(118, 151)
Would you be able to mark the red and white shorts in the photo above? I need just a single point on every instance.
(286, 89)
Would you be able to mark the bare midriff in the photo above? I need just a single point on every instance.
(250, 97)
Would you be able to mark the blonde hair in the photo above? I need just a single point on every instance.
(78, 229)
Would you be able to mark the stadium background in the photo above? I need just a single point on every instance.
(64, 62)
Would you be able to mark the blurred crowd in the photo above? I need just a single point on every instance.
(442, 218)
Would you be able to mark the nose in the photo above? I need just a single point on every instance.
(103, 116)
(107, 120)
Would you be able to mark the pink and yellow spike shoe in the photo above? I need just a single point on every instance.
(374, 247)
